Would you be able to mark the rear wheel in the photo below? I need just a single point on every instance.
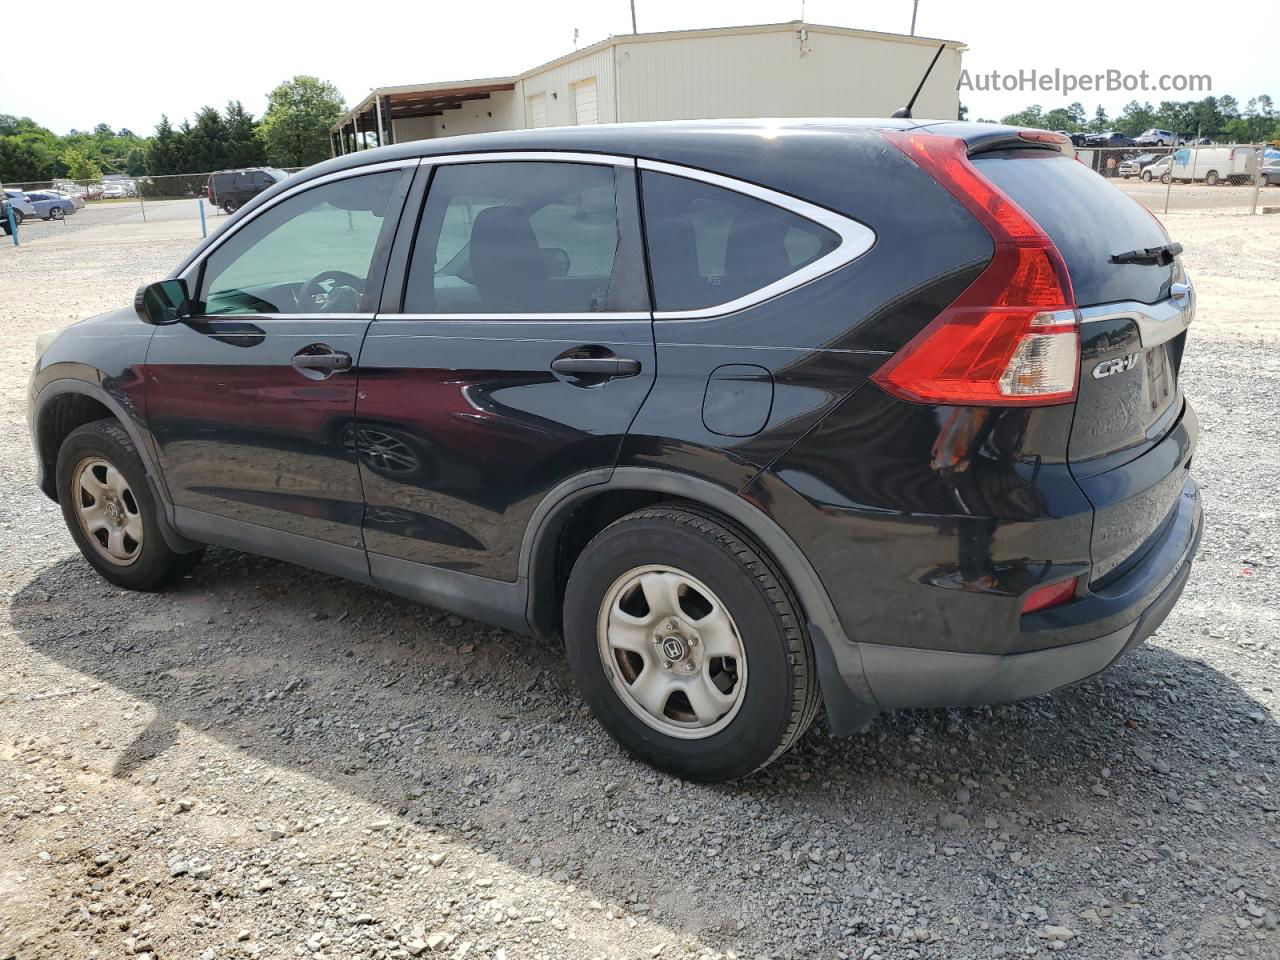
(230, 206)
(1211, 178)
(1146, 176)
(688, 645)
(109, 509)
(56, 213)
(1165, 178)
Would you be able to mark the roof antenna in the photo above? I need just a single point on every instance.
(904, 113)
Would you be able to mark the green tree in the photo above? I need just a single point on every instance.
(80, 166)
(1033, 116)
(162, 152)
(1100, 123)
(296, 126)
(244, 146)
(1136, 118)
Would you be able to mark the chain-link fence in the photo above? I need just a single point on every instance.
(183, 202)
(1222, 178)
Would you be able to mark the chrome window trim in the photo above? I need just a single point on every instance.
(855, 239)
(1157, 322)
(195, 265)
(310, 317)
(533, 156)
(517, 317)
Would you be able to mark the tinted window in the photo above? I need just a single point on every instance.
(1087, 219)
(520, 237)
(311, 253)
(708, 245)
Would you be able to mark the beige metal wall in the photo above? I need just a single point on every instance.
(778, 74)
(556, 82)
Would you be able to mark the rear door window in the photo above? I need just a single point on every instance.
(517, 238)
(710, 245)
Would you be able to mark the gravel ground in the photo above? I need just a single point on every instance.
(268, 762)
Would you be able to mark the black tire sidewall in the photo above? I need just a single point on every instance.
(761, 724)
(155, 565)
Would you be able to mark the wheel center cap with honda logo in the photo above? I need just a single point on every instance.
(673, 648)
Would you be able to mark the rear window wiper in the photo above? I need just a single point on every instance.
(1158, 256)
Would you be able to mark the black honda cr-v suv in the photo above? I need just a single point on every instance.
(754, 414)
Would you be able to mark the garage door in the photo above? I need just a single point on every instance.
(538, 110)
(584, 101)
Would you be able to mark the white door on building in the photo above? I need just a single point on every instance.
(584, 101)
(538, 110)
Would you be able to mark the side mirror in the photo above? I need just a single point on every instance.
(162, 302)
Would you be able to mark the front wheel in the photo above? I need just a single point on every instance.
(229, 207)
(688, 645)
(56, 213)
(1211, 178)
(1146, 176)
(110, 511)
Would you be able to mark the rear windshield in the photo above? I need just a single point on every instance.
(1088, 220)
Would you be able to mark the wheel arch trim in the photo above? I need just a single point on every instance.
(64, 386)
(846, 692)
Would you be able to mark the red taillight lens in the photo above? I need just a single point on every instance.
(1050, 596)
(1010, 339)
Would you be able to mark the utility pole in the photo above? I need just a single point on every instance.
(633, 16)
(915, 7)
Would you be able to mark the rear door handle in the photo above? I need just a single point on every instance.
(604, 367)
(319, 360)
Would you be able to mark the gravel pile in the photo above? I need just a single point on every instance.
(269, 762)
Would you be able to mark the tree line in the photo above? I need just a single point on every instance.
(1221, 118)
(294, 132)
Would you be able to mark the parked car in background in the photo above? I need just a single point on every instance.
(1158, 170)
(1111, 138)
(1077, 139)
(909, 436)
(1270, 172)
(75, 199)
(22, 207)
(1215, 165)
(4, 215)
(1156, 138)
(80, 191)
(117, 191)
(232, 189)
(49, 205)
(1133, 166)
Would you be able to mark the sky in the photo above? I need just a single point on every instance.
(127, 67)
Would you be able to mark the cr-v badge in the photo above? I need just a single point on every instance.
(1119, 365)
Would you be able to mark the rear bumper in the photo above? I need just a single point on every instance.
(914, 677)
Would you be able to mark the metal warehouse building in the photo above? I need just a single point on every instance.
(774, 70)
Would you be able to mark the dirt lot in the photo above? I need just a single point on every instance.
(268, 762)
(1197, 197)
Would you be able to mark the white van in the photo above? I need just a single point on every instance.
(1216, 164)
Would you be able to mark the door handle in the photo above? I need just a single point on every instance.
(603, 367)
(319, 360)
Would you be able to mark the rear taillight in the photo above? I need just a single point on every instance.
(1010, 339)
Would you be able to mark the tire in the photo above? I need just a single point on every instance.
(98, 466)
(766, 692)
(1146, 176)
(56, 213)
(1165, 178)
(1211, 178)
(18, 217)
(229, 207)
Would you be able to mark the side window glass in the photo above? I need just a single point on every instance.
(311, 253)
(518, 237)
(708, 245)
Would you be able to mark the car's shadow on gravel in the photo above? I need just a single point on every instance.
(480, 733)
